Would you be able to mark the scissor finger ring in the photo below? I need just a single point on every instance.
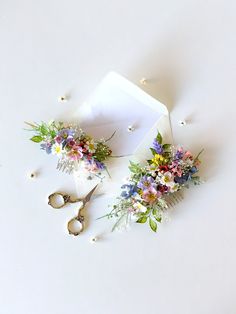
(76, 225)
(58, 200)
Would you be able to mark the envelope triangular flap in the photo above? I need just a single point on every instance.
(116, 104)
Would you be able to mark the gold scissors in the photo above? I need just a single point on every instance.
(58, 200)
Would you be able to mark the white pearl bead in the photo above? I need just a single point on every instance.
(130, 128)
(182, 123)
(143, 81)
(62, 98)
(32, 175)
(93, 239)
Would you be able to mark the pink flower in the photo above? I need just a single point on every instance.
(58, 139)
(150, 195)
(131, 209)
(76, 153)
(187, 155)
(91, 166)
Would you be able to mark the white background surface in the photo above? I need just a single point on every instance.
(187, 49)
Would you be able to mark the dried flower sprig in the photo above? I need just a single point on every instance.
(153, 187)
(71, 145)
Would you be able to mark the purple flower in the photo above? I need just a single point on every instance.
(47, 147)
(94, 165)
(100, 165)
(157, 147)
(179, 154)
(146, 182)
(65, 133)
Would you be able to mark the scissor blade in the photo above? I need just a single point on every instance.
(88, 196)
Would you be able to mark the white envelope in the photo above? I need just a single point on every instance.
(115, 105)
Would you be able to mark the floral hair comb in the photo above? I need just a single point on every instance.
(155, 186)
(72, 146)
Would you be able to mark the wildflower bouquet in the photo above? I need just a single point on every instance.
(72, 145)
(144, 198)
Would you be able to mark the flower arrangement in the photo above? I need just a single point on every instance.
(71, 145)
(144, 198)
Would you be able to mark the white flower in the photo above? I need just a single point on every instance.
(139, 207)
(167, 179)
(57, 149)
(174, 188)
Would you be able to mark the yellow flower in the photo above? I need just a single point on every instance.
(158, 159)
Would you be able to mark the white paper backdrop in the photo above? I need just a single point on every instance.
(187, 51)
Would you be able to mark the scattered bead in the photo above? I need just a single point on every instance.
(182, 123)
(32, 175)
(130, 128)
(143, 81)
(93, 239)
(62, 98)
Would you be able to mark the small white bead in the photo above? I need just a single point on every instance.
(62, 98)
(143, 81)
(32, 175)
(93, 239)
(182, 123)
(130, 128)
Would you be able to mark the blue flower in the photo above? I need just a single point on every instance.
(193, 170)
(157, 147)
(183, 179)
(47, 147)
(146, 182)
(129, 190)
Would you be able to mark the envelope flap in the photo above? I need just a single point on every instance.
(117, 104)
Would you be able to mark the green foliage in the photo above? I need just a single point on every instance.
(166, 147)
(134, 167)
(196, 180)
(102, 152)
(159, 138)
(36, 139)
(152, 224)
(142, 219)
(44, 129)
(153, 151)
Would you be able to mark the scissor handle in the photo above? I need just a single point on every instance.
(70, 225)
(66, 199)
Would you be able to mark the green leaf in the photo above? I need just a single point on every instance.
(53, 133)
(133, 167)
(155, 215)
(36, 139)
(166, 147)
(43, 129)
(159, 138)
(153, 225)
(142, 220)
(154, 211)
(158, 218)
(153, 151)
(147, 211)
